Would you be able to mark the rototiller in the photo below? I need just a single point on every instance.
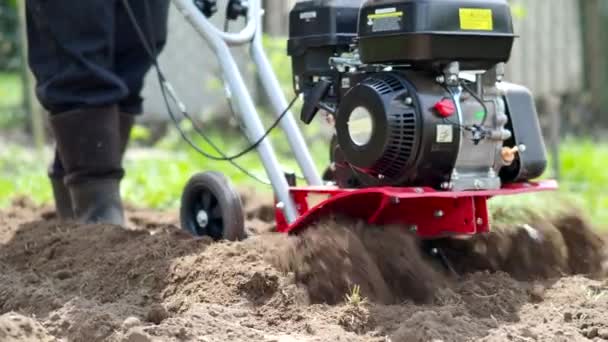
(425, 128)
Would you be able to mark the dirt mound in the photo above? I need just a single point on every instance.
(152, 282)
(538, 249)
(386, 263)
(389, 264)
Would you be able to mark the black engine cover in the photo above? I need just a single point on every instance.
(526, 130)
(402, 148)
(319, 30)
(434, 32)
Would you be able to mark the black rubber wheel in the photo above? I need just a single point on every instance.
(211, 206)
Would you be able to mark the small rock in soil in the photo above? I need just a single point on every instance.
(537, 293)
(138, 335)
(603, 333)
(63, 275)
(260, 287)
(131, 322)
(567, 316)
(591, 332)
(528, 333)
(157, 314)
(309, 330)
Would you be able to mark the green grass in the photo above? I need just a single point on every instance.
(11, 92)
(22, 173)
(155, 178)
(11, 99)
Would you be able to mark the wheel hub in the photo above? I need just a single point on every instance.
(202, 218)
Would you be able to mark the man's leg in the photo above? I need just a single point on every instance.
(71, 45)
(132, 62)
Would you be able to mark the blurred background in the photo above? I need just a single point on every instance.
(561, 56)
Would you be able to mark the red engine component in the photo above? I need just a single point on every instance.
(445, 108)
(428, 212)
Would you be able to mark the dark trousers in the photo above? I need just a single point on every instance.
(86, 53)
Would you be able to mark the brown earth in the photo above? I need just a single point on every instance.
(538, 281)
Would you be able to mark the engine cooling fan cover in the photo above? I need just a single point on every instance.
(377, 127)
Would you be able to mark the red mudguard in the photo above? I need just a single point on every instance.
(428, 212)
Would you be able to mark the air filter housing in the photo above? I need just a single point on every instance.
(319, 30)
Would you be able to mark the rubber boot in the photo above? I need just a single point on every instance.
(56, 173)
(126, 122)
(90, 146)
(61, 194)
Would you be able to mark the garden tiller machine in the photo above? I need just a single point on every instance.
(425, 129)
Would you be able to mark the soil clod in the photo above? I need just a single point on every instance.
(157, 314)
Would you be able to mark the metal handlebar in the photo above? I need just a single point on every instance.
(210, 32)
(219, 42)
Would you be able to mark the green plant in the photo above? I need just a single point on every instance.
(355, 298)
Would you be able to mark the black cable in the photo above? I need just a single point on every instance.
(446, 120)
(151, 51)
(197, 148)
(163, 82)
(480, 100)
(479, 132)
(253, 146)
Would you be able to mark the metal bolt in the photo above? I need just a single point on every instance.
(395, 200)
(439, 213)
(445, 185)
(418, 190)
(381, 177)
(478, 184)
(413, 228)
(434, 251)
(409, 100)
(479, 221)
(440, 79)
(280, 205)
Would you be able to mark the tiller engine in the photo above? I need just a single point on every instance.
(425, 128)
(424, 124)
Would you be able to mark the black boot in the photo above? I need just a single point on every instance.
(90, 146)
(126, 124)
(56, 173)
(63, 202)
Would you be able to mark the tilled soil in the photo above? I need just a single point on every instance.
(539, 280)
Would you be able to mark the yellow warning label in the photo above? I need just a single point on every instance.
(477, 19)
(384, 15)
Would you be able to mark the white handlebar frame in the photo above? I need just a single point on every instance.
(239, 95)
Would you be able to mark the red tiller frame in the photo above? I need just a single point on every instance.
(428, 212)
